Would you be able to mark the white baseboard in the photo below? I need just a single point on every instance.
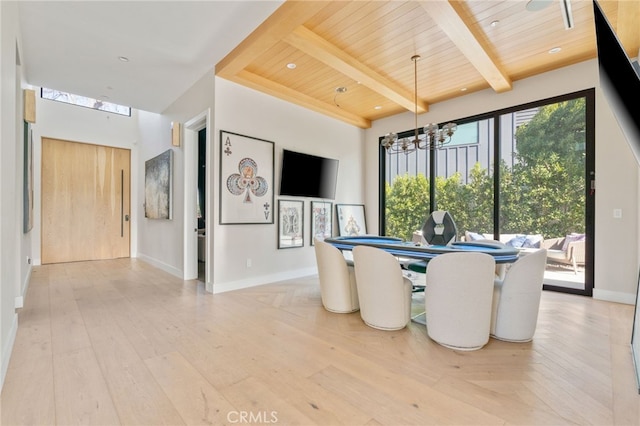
(24, 288)
(614, 296)
(263, 279)
(161, 265)
(7, 348)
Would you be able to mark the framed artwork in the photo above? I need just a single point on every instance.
(290, 223)
(28, 179)
(321, 218)
(246, 179)
(351, 219)
(158, 191)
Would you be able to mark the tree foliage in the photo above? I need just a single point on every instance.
(407, 204)
(544, 192)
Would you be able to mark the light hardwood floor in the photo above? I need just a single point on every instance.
(119, 342)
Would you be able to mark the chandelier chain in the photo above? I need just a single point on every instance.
(434, 136)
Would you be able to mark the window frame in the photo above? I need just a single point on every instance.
(589, 95)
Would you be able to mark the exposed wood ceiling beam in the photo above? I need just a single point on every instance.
(264, 85)
(283, 21)
(314, 32)
(444, 14)
(313, 45)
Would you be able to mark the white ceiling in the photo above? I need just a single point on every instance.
(75, 46)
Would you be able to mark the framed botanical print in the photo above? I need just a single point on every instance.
(290, 223)
(246, 179)
(321, 220)
(351, 220)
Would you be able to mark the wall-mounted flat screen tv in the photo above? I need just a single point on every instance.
(305, 175)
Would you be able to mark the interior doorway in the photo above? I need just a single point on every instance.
(202, 203)
(197, 203)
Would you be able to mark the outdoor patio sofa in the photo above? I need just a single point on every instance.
(567, 250)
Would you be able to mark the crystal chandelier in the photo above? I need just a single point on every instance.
(433, 136)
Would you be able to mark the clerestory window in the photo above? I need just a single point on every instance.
(70, 98)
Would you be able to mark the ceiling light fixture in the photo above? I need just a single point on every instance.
(291, 66)
(555, 50)
(433, 136)
(339, 90)
(123, 58)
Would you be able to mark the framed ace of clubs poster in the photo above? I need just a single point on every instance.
(246, 179)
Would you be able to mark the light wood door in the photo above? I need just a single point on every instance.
(85, 201)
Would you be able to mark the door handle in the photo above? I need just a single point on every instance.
(126, 218)
(122, 202)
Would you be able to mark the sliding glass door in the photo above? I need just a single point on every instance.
(522, 176)
(543, 186)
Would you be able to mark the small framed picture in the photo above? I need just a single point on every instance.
(321, 220)
(351, 220)
(290, 223)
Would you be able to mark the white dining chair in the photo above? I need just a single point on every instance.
(458, 299)
(338, 289)
(516, 298)
(384, 293)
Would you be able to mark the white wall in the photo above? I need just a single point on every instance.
(161, 241)
(58, 120)
(11, 145)
(240, 110)
(251, 113)
(616, 245)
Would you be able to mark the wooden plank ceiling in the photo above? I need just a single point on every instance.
(366, 47)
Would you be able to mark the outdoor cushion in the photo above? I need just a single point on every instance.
(475, 236)
(517, 241)
(571, 238)
(513, 240)
(533, 241)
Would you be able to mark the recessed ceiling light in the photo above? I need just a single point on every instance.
(555, 50)
(291, 66)
(377, 107)
(341, 89)
(494, 24)
(123, 58)
(464, 89)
